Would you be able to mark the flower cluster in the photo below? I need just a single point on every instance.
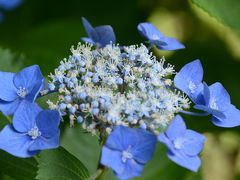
(123, 94)
(109, 86)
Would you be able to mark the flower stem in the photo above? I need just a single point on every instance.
(48, 92)
(150, 46)
(102, 174)
(9, 119)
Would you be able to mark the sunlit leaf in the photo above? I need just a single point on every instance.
(225, 11)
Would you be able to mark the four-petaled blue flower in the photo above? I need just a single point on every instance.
(24, 85)
(184, 144)
(155, 37)
(99, 36)
(217, 102)
(32, 129)
(127, 150)
(214, 99)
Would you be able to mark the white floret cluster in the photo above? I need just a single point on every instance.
(114, 85)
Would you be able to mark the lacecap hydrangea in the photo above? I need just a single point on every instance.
(124, 95)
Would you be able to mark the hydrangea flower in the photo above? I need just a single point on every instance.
(119, 86)
(155, 37)
(127, 150)
(24, 85)
(218, 103)
(99, 36)
(214, 100)
(32, 129)
(184, 144)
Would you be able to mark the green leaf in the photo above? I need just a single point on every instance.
(18, 168)
(3, 121)
(83, 145)
(5, 177)
(60, 164)
(225, 11)
(10, 62)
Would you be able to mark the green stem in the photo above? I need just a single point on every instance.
(9, 119)
(102, 174)
(99, 174)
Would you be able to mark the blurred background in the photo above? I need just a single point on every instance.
(42, 32)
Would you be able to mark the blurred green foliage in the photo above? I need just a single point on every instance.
(42, 32)
(226, 11)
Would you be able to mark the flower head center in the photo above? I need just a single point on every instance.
(155, 37)
(22, 92)
(126, 155)
(34, 132)
(192, 87)
(213, 104)
(178, 143)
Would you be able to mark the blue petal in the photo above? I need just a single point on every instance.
(45, 143)
(15, 143)
(201, 95)
(8, 90)
(231, 119)
(88, 27)
(112, 159)
(145, 147)
(9, 108)
(123, 138)
(210, 111)
(177, 128)
(149, 31)
(193, 143)
(119, 138)
(157, 43)
(25, 117)
(105, 35)
(166, 141)
(47, 122)
(28, 78)
(88, 40)
(190, 162)
(171, 44)
(220, 96)
(205, 94)
(189, 78)
(132, 169)
(35, 91)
